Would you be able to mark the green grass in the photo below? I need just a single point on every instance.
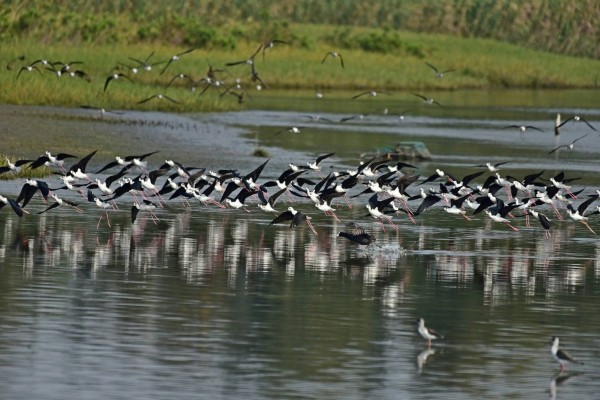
(478, 63)
(25, 172)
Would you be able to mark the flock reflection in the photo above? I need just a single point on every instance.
(198, 245)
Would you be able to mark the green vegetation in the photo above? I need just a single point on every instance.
(104, 35)
(24, 172)
(562, 26)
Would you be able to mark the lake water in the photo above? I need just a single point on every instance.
(216, 303)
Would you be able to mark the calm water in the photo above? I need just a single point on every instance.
(217, 304)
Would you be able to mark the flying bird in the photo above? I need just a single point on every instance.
(175, 58)
(568, 146)
(334, 54)
(159, 97)
(115, 76)
(427, 100)
(438, 73)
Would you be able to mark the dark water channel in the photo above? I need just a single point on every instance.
(212, 303)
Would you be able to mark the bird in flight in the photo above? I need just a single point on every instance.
(334, 54)
(427, 100)
(438, 73)
(568, 146)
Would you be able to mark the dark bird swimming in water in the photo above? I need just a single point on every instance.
(358, 235)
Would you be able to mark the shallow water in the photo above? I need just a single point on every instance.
(217, 304)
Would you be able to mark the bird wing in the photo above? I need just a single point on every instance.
(16, 208)
(82, 164)
(49, 208)
(432, 67)
(284, 216)
(146, 99)
(535, 128)
(556, 148)
(419, 95)
(426, 203)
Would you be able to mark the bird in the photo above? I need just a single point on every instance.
(13, 204)
(146, 205)
(295, 217)
(315, 165)
(182, 77)
(578, 215)
(57, 160)
(30, 188)
(376, 210)
(146, 65)
(357, 235)
(568, 146)
(523, 128)
(59, 202)
(438, 73)
(544, 221)
(427, 100)
(175, 58)
(159, 97)
(270, 44)
(561, 355)
(371, 93)
(268, 205)
(499, 212)
(115, 76)
(333, 54)
(77, 170)
(248, 61)
(28, 68)
(13, 167)
(137, 160)
(575, 118)
(427, 333)
(292, 129)
(491, 167)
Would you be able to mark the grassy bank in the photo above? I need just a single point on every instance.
(560, 26)
(477, 63)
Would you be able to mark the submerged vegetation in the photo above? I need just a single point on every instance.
(107, 36)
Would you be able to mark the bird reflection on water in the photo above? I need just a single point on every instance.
(200, 243)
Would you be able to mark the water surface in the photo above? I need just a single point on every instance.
(217, 304)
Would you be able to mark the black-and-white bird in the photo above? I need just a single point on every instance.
(291, 129)
(370, 93)
(295, 217)
(115, 76)
(333, 54)
(175, 58)
(13, 204)
(491, 167)
(427, 333)
(427, 100)
(523, 128)
(158, 97)
(568, 146)
(438, 73)
(561, 355)
(575, 118)
(270, 44)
